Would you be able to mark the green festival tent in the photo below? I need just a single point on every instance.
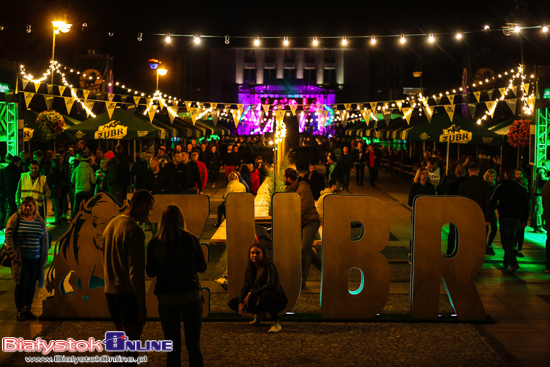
(461, 130)
(122, 124)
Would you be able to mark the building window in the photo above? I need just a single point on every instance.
(249, 76)
(250, 56)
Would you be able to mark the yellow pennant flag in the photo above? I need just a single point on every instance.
(215, 115)
(136, 100)
(373, 105)
(241, 108)
(213, 106)
(151, 112)
(110, 106)
(74, 91)
(236, 117)
(407, 113)
(25, 82)
(399, 105)
(69, 102)
(266, 108)
(366, 115)
(472, 108)
(525, 87)
(293, 108)
(490, 93)
(86, 93)
(194, 112)
(172, 113)
(89, 107)
(450, 109)
(162, 103)
(28, 98)
(49, 101)
(61, 89)
(502, 90)
(188, 104)
(347, 106)
(429, 113)
(491, 107)
(451, 98)
(280, 115)
(437, 99)
(515, 90)
(36, 86)
(531, 102)
(477, 95)
(110, 97)
(512, 104)
(50, 88)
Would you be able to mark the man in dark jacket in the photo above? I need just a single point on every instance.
(138, 171)
(309, 220)
(373, 162)
(513, 211)
(346, 159)
(359, 159)
(193, 180)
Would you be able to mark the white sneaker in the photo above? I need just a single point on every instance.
(221, 281)
(258, 318)
(275, 328)
(213, 185)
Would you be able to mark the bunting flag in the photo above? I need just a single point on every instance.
(531, 102)
(407, 113)
(345, 118)
(512, 104)
(490, 93)
(136, 100)
(50, 88)
(227, 107)
(429, 113)
(8, 96)
(61, 90)
(36, 86)
(477, 95)
(387, 117)
(151, 113)
(366, 115)
(240, 107)
(472, 109)
(451, 98)
(74, 91)
(324, 114)
(347, 106)
(525, 87)
(175, 102)
(172, 113)
(25, 83)
(213, 106)
(89, 107)
(437, 99)
(373, 105)
(450, 109)
(215, 115)
(515, 90)
(491, 107)
(265, 107)
(28, 98)
(236, 117)
(110, 97)
(86, 93)
(69, 102)
(399, 105)
(305, 107)
(162, 103)
(187, 104)
(293, 108)
(502, 90)
(280, 115)
(194, 112)
(49, 101)
(110, 106)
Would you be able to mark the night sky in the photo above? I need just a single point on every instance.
(442, 62)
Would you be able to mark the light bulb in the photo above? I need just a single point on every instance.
(197, 39)
(459, 36)
(257, 41)
(285, 41)
(431, 39)
(487, 28)
(315, 41)
(402, 39)
(29, 28)
(545, 29)
(517, 29)
(140, 37)
(168, 38)
(373, 40)
(344, 41)
(227, 40)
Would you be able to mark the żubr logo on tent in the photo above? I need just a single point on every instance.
(455, 135)
(111, 130)
(115, 341)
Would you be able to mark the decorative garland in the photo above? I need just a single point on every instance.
(50, 124)
(518, 136)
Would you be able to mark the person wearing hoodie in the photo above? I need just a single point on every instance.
(83, 179)
(309, 220)
(330, 190)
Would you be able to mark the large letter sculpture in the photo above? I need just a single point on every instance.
(287, 252)
(430, 213)
(341, 253)
(240, 236)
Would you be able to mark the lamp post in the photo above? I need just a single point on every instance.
(58, 26)
(160, 71)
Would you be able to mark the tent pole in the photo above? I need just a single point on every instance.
(501, 151)
(134, 150)
(458, 152)
(448, 148)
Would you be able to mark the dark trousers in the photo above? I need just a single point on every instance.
(494, 228)
(171, 317)
(452, 239)
(520, 238)
(213, 173)
(221, 212)
(345, 179)
(24, 291)
(56, 205)
(269, 301)
(309, 231)
(508, 230)
(373, 175)
(80, 197)
(359, 174)
(547, 246)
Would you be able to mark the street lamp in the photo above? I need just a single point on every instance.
(160, 71)
(58, 26)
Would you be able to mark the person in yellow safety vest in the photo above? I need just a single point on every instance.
(34, 184)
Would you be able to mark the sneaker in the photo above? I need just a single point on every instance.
(275, 328)
(20, 316)
(258, 318)
(223, 281)
(29, 315)
(217, 225)
(489, 251)
(513, 269)
(213, 185)
(520, 254)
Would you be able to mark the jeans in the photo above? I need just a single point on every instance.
(24, 291)
(345, 179)
(268, 301)
(537, 213)
(308, 255)
(547, 246)
(80, 197)
(373, 175)
(508, 231)
(494, 228)
(221, 212)
(359, 174)
(213, 173)
(171, 317)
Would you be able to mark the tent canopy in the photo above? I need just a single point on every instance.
(123, 124)
(461, 130)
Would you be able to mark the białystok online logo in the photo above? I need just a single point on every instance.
(115, 341)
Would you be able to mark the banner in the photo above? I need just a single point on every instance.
(49, 101)
(151, 113)
(28, 98)
(477, 95)
(194, 112)
(512, 104)
(69, 102)
(111, 130)
(450, 109)
(407, 113)
(172, 113)
(61, 89)
(491, 107)
(455, 135)
(472, 109)
(429, 113)
(293, 108)
(110, 106)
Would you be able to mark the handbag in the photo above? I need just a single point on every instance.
(5, 259)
